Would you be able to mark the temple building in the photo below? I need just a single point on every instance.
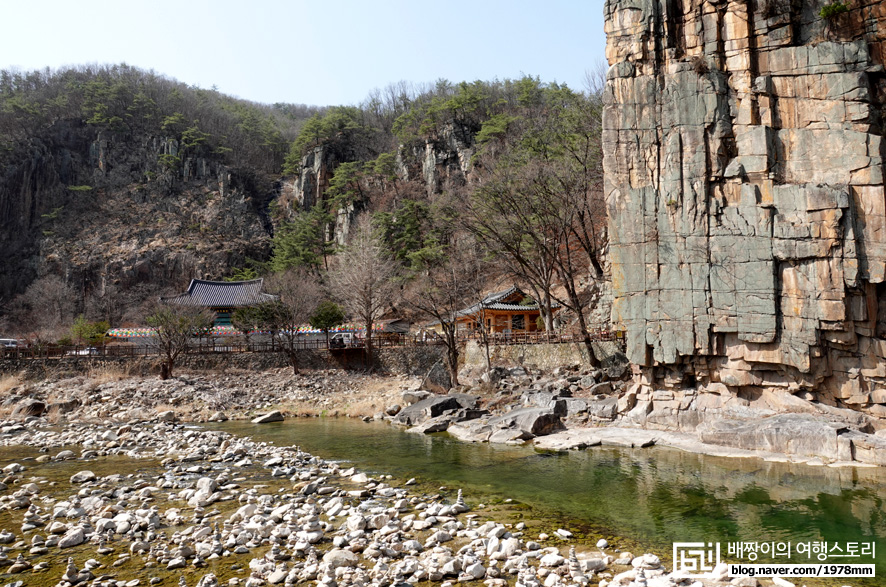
(506, 312)
(222, 297)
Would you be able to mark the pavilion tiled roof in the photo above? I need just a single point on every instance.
(222, 294)
(493, 302)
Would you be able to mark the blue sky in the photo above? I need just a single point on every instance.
(323, 52)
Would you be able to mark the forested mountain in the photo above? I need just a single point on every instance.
(117, 184)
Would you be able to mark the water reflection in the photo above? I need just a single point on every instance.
(656, 496)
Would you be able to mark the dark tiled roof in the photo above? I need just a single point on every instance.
(500, 295)
(513, 307)
(491, 302)
(222, 294)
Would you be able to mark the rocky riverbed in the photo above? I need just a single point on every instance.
(106, 486)
(190, 506)
(197, 396)
(561, 409)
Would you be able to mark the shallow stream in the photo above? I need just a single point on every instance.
(653, 496)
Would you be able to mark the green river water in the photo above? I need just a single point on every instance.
(652, 497)
(642, 500)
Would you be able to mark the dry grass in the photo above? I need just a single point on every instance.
(369, 406)
(7, 383)
(54, 415)
(305, 408)
(99, 374)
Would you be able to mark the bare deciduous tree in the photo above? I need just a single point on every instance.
(452, 280)
(362, 279)
(540, 206)
(299, 296)
(47, 308)
(175, 326)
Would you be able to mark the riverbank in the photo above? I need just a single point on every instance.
(560, 409)
(108, 415)
(157, 503)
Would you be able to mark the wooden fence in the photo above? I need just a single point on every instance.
(204, 346)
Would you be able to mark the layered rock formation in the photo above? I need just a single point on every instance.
(744, 181)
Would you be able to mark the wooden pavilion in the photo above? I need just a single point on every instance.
(505, 312)
(222, 297)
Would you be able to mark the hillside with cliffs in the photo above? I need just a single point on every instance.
(118, 184)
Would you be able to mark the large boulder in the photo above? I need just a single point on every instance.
(471, 431)
(575, 406)
(604, 388)
(438, 424)
(29, 407)
(433, 407)
(338, 557)
(274, 416)
(536, 421)
(546, 400)
(604, 409)
(437, 380)
(83, 477)
(867, 448)
(73, 537)
(63, 407)
(411, 396)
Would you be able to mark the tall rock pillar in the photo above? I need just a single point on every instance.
(743, 159)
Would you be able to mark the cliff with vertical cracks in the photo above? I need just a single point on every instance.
(135, 224)
(745, 186)
(437, 163)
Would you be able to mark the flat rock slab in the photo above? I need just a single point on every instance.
(628, 437)
(569, 440)
(869, 449)
(274, 416)
(796, 434)
(586, 437)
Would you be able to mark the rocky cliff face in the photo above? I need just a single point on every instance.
(441, 161)
(745, 185)
(98, 209)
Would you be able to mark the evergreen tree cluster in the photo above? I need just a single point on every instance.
(130, 102)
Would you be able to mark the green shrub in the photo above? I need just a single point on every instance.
(833, 10)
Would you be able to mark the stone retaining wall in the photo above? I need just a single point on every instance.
(401, 361)
(540, 356)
